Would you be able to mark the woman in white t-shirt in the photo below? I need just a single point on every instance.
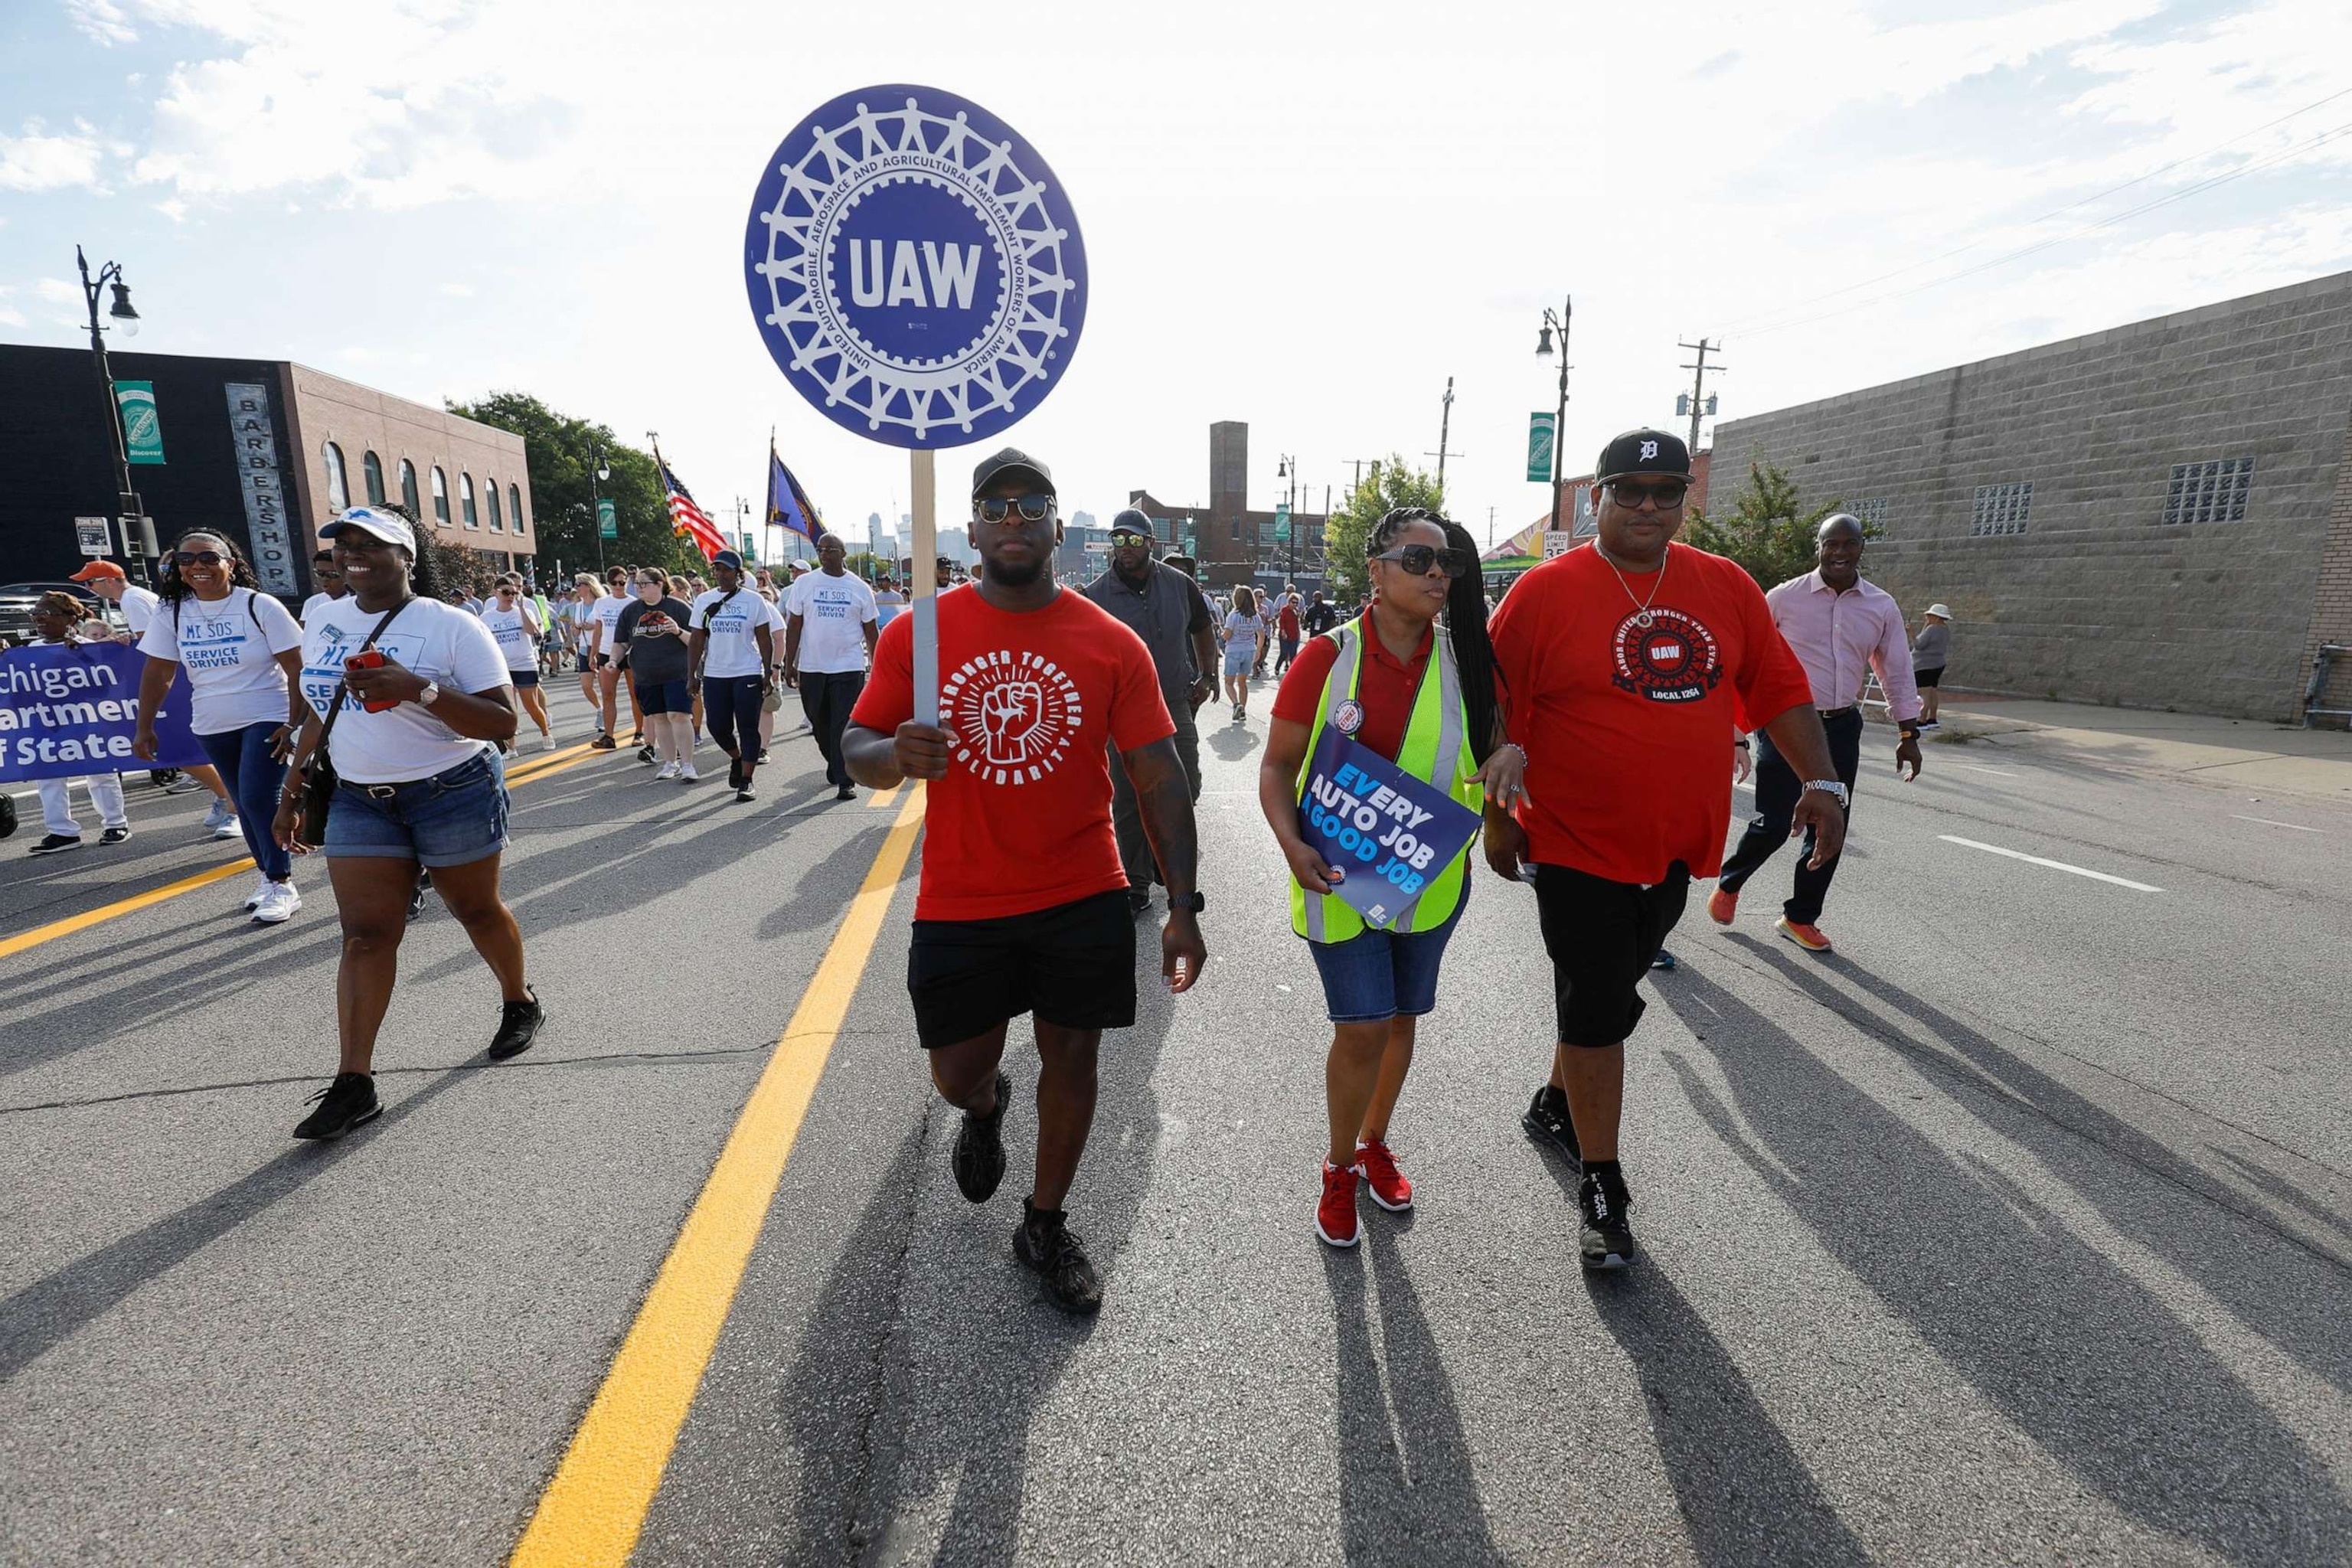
(1245, 645)
(733, 655)
(415, 745)
(514, 625)
(240, 650)
(611, 683)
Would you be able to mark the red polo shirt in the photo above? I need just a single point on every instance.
(1386, 687)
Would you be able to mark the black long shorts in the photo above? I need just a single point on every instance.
(1602, 936)
(1927, 679)
(1073, 964)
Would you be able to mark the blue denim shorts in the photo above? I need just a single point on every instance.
(1377, 974)
(453, 818)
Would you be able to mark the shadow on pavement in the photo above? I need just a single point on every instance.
(2078, 1355)
(1408, 1492)
(1231, 741)
(54, 1308)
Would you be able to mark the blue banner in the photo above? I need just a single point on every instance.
(71, 709)
(1389, 831)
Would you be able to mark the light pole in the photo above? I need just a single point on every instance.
(1288, 468)
(1559, 418)
(597, 469)
(137, 543)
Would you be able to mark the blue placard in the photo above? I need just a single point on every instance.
(1391, 833)
(914, 267)
(71, 709)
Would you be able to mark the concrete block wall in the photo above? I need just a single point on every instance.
(2100, 599)
(2331, 609)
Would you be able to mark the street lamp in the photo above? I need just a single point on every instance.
(1288, 468)
(1559, 418)
(597, 469)
(138, 538)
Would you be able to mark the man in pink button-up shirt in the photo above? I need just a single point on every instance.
(1841, 630)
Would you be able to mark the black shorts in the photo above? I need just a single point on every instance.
(1602, 936)
(523, 679)
(1073, 965)
(1924, 678)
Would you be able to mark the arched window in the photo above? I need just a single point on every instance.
(440, 497)
(466, 499)
(514, 505)
(490, 494)
(372, 473)
(408, 489)
(338, 488)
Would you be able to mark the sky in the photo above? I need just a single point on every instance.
(1308, 216)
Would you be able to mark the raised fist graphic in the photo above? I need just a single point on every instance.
(1011, 713)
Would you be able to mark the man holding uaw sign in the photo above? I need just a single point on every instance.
(917, 274)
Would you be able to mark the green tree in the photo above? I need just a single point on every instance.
(560, 452)
(1392, 484)
(1767, 531)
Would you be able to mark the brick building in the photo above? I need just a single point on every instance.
(263, 450)
(1234, 544)
(2154, 516)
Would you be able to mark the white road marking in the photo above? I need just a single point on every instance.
(2054, 865)
(2268, 822)
(1997, 772)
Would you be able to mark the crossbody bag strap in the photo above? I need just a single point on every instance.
(342, 688)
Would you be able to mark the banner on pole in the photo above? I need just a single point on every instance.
(608, 522)
(71, 709)
(1390, 832)
(1542, 433)
(142, 435)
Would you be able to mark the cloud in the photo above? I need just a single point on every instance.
(101, 21)
(458, 291)
(174, 208)
(57, 291)
(9, 318)
(39, 161)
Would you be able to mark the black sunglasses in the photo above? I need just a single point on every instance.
(1667, 493)
(1033, 508)
(198, 558)
(1417, 559)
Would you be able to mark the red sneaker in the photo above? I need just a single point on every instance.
(1335, 1216)
(1809, 936)
(1389, 1189)
(1721, 905)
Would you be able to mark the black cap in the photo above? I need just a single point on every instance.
(1134, 520)
(1643, 452)
(1012, 460)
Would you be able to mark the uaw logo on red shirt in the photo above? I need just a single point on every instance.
(1665, 655)
(1012, 714)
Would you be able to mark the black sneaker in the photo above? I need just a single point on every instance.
(603, 743)
(519, 1024)
(1138, 899)
(845, 792)
(7, 815)
(979, 1162)
(636, 737)
(1548, 1121)
(417, 896)
(734, 773)
(1046, 1243)
(1603, 1235)
(744, 793)
(114, 835)
(345, 1104)
(645, 753)
(56, 843)
(764, 757)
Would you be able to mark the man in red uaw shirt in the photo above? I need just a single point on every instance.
(1625, 666)
(1025, 910)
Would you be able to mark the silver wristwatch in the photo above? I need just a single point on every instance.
(1832, 786)
(431, 694)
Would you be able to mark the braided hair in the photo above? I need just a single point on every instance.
(1465, 617)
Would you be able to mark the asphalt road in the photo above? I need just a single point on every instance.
(2019, 1231)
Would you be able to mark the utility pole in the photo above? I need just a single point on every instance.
(1699, 404)
(1559, 418)
(1490, 527)
(1444, 424)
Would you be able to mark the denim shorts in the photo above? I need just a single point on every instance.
(453, 818)
(1377, 974)
(1239, 656)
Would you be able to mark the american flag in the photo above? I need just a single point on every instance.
(686, 518)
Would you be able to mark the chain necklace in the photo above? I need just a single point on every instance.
(1642, 616)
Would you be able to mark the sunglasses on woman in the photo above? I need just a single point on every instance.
(1033, 508)
(198, 558)
(1417, 559)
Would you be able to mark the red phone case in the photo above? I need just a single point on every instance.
(371, 658)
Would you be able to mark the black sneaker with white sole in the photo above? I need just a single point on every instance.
(979, 1159)
(1549, 1123)
(114, 835)
(346, 1103)
(519, 1024)
(1046, 1244)
(56, 843)
(1603, 1238)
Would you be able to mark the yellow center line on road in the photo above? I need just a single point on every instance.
(882, 798)
(594, 1507)
(539, 768)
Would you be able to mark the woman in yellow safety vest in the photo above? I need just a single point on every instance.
(1389, 682)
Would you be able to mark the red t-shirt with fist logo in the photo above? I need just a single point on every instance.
(1021, 821)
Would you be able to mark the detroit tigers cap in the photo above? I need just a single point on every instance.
(1010, 459)
(1643, 452)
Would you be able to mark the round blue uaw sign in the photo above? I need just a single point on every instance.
(915, 268)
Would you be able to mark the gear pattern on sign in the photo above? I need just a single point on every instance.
(1030, 323)
(1013, 715)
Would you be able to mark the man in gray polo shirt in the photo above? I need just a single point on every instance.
(1163, 607)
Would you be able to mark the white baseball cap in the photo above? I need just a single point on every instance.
(1941, 610)
(389, 527)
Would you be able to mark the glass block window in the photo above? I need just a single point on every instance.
(1872, 512)
(2002, 509)
(2209, 492)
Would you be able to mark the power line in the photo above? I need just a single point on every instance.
(1737, 324)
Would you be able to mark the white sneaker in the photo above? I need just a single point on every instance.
(686, 774)
(221, 815)
(668, 771)
(228, 830)
(279, 902)
(253, 894)
(547, 739)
